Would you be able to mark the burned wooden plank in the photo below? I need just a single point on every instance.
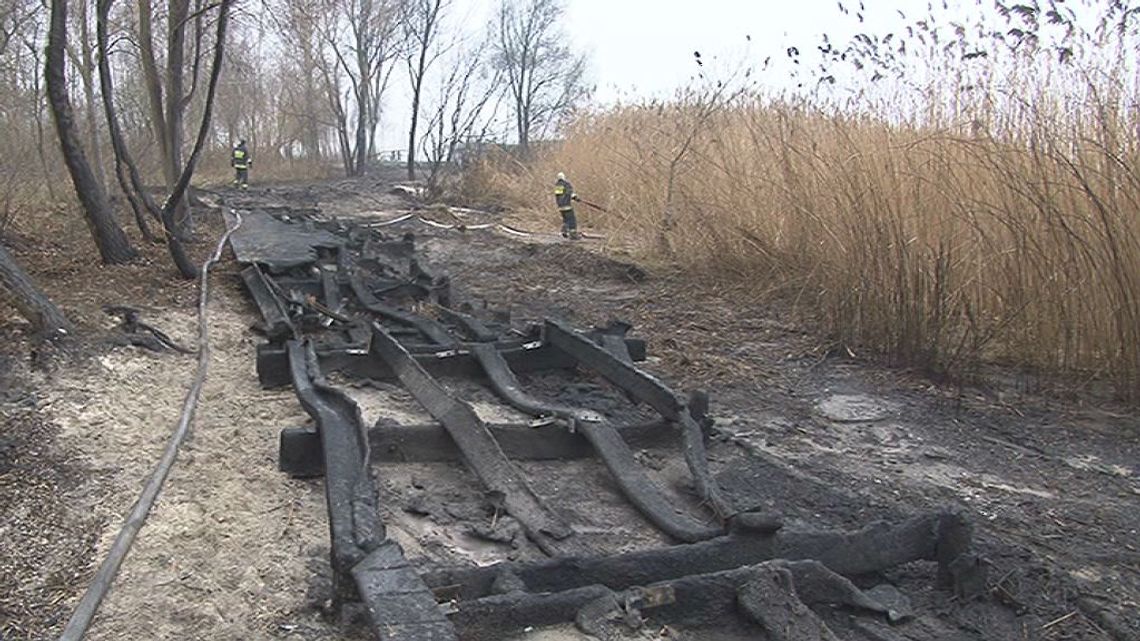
(300, 447)
(279, 245)
(354, 525)
(471, 326)
(430, 328)
(399, 605)
(365, 564)
(621, 371)
(774, 594)
(942, 537)
(274, 314)
(615, 453)
(481, 452)
(523, 356)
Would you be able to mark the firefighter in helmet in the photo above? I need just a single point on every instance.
(241, 161)
(564, 198)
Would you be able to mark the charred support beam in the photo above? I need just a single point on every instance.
(399, 605)
(772, 593)
(301, 456)
(430, 328)
(330, 291)
(365, 564)
(942, 537)
(354, 524)
(648, 389)
(607, 442)
(273, 361)
(481, 452)
(471, 326)
(278, 326)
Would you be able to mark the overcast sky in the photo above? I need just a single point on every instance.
(640, 48)
(644, 48)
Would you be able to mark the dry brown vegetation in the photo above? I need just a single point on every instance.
(987, 213)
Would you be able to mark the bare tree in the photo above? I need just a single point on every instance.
(357, 74)
(30, 301)
(465, 104)
(126, 171)
(295, 23)
(109, 237)
(82, 55)
(126, 168)
(543, 74)
(167, 93)
(421, 23)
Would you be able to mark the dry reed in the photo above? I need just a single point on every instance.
(991, 221)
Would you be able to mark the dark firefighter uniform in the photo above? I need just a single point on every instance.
(564, 198)
(241, 162)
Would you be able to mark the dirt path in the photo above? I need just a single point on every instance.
(236, 550)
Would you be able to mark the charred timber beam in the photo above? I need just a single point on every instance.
(354, 525)
(399, 605)
(701, 600)
(641, 491)
(619, 370)
(365, 564)
(471, 326)
(942, 537)
(330, 291)
(481, 452)
(273, 361)
(430, 328)
(275, 316)
(300, 448)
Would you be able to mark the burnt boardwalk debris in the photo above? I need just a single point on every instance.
(351, 300)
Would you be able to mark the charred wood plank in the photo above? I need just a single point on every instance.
(274, 314)
(481, 452)
(430, 328)
(774, 594)
(330, 291)
(400, 606)
(648, 389)
(606, 441)
(273, 362)
(471, 326)
(354, 525)
(300, 447)
(942, 537)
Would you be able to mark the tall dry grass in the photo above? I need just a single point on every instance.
(980, 224)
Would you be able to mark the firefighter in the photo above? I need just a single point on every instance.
(241, 161)
(564, 198)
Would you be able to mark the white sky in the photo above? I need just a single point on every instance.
(640, 48)
(644, 48)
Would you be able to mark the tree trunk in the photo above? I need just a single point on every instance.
(44, 316)
(113, 245)
(153, 82)
(87, 73)
(417, 87)
(312, 134)
(125, 170)
(38, 114)
(178, 195)
(175, 106)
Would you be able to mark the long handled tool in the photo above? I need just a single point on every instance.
(590, 204)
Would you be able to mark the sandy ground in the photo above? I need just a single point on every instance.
(227, 550)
